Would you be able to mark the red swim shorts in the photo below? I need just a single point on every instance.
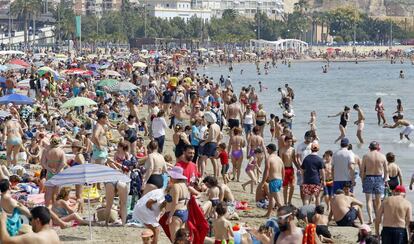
(289, 176)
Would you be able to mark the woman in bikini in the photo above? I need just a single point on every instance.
(13, 133)
(66, 209)
(176, 198)
(155, 166)
(251, 168)
(236, 144)
(344, 118)
(394, 172)
(400, 109)
(261, 119)
(379, 107)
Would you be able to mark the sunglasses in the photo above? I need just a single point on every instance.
(283, 217)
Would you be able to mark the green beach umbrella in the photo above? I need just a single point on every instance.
(78, 102)
(107, 82)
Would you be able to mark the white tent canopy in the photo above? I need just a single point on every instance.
(283, 44)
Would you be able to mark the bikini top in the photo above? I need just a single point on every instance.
(168, 198)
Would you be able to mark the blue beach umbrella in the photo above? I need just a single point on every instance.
(16, 99)
(3, 68)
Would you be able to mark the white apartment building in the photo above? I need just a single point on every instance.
(247, 8)
(169, 9)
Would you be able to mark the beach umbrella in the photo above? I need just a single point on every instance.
(111, 73)
(78, 102)
(104, 66)
(24, 84)
(93, 66)
(77, 71)
(39, 64)
(87, 174)
(14, 67)
(107, 82)
(123, 86)
(43, 70)
(16, 99)
(19, 62)
(139, 65)
(3, 68)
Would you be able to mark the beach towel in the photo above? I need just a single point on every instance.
(309, 234)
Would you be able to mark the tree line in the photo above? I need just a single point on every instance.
(344, 24)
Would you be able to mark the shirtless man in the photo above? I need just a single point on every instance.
(345, 209)
(395, 215)
(274, 173)
(196, 113)
(53, 160)
(374, 169)
(288, 157)
(13, 133)
(210, 146)
(234, 113)
(289, 232)
(227, 95)
(179, 112)
(42, 231)
(133, 109)
(360, 122)
(409, 127)
(253, 142)
(99, 140)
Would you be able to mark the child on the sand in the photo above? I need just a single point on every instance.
(224, 160)
(321, 222)
(212, 193)
(223, 231)
(251, 168)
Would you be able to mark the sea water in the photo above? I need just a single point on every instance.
(346, 83)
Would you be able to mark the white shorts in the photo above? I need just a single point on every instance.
(408, 130)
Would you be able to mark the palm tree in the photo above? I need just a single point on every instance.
(24, 9)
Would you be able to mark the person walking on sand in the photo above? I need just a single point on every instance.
(374, 171)
(274, 172)
(287, 154)
(360, 122)
(344, 118)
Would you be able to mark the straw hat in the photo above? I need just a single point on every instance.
(55, 141)
(78, 144)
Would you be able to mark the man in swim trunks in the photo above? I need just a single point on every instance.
(234, 113)
(287, 154)
(274, 172)
(53, 160)
(409, 127)
(395, 214)
(374, 169)
(99, 140)
(210, 146)
(360, 122)
(345, 209)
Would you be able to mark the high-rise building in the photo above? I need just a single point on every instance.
(169, 9)
(96, 7)
(247, 8)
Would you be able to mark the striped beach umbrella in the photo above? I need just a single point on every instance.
(87, 174)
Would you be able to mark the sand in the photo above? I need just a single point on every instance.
(253, 218)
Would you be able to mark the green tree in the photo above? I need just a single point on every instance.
(229, 14)
(24, 9)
